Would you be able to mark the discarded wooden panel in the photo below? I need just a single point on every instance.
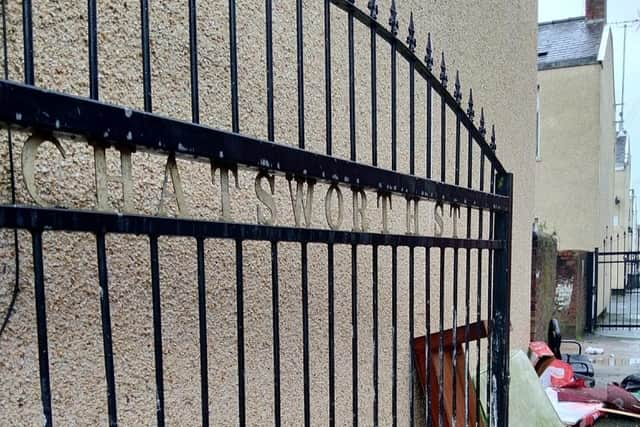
(477, 331)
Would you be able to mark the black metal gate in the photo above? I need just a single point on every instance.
(616, 294)
(479, 187)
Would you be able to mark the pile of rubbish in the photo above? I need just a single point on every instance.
(568, 383)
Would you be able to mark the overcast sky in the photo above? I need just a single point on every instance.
(617, 10)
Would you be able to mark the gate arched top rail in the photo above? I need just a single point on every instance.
(424, 69)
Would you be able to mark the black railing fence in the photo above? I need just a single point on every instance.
(338, 305)
(616, 295)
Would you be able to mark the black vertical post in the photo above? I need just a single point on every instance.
(233, 67)
(240, 332)
(275, 308)
(157, 328)
(428, 60)
(375, 334)
(427, 335)
(269, 54)
(146, 55)
(596, 287)
(41, 319)
(300, 53)
(332, 351)
(589, 296)
(443, 123)
(352, 88)
(93, 48)
(393, 23)
(501, 307)
(373, 13)
(411, 333)
(394, 336)
(327, 75)
(441, 414)
(305, 335)
(202, 322)
(354, 333)
(27, 35)
(106, 330)
(193, 56)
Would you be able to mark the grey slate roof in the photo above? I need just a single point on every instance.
(568, 43)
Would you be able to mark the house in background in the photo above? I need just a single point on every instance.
(624, 213)
(575, 174)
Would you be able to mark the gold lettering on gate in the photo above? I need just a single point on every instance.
(454, 212)
(386, 207)
(224, 186)
(266, 197)
(29, 152)
(103, 178)
(171, 171)
(412, 221)
(359, 208)
(438, 223)
(298, 202)
(328, 207)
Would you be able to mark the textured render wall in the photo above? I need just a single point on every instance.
(543, 284)
(607, 140)
(569, 193)
(493, 45)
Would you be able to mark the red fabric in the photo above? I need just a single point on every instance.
(612, 395)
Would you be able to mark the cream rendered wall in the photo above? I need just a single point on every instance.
(607, 139)
(493, 45)
(568, 172)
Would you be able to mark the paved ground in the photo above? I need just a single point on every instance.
(621, 357)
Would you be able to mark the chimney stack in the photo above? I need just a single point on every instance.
(595, 10)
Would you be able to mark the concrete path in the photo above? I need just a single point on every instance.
(621, 357)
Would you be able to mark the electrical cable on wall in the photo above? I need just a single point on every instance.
(16, 286)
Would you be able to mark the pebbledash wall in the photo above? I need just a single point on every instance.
(492, 43)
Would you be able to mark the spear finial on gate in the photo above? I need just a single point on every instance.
(393, 19)
(470, 111)
(457, 93)
(493, 138)
(428, 58)
(482, 129)
(411, 38)
(443, 72)
(372, 5)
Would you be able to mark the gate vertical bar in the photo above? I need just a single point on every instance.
(41, 319)
(352, 89)
(202, 322)
(275, 308)
(269, 57)
(394, 334)
(93, 48)
(327, 75)
(300, 51)
(427, 335)
(305, 335)
(354, 333)
(501, 308)
(589, 297)
(240, 331)
(106, 329)
(375, 334)
(146, 55)
(233, 67)
(373, 13)
(596, 287)
(157, 328)
(332, 351)
(193, 57)
(27, 35)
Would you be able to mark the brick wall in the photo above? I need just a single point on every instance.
(558, 288)
(570, 292)
(543, 282)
